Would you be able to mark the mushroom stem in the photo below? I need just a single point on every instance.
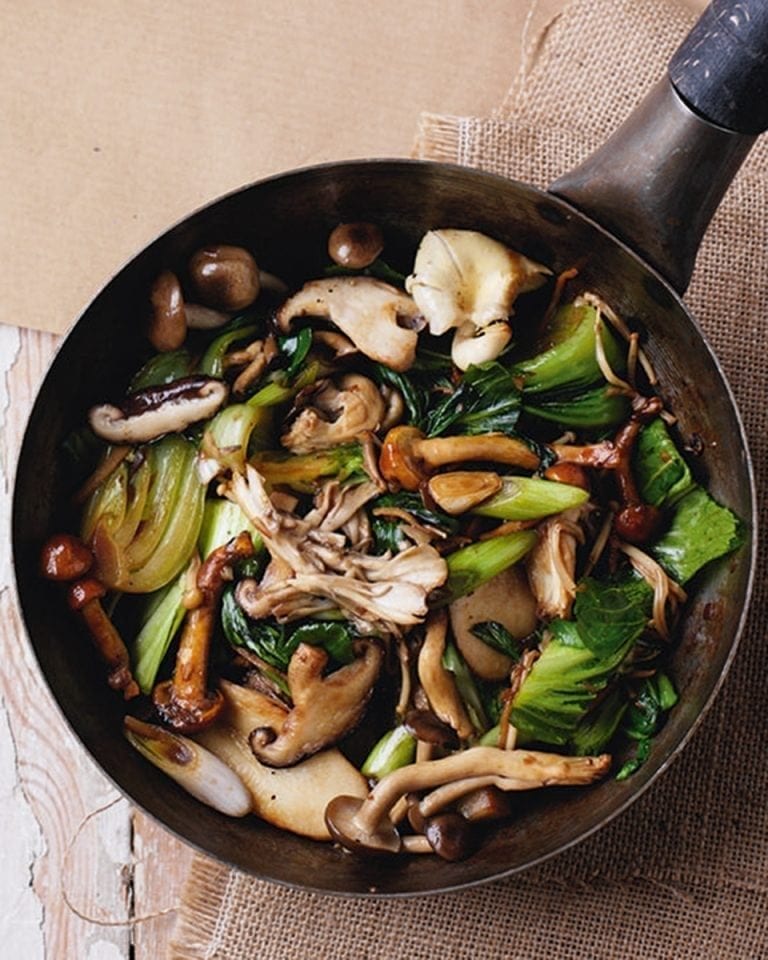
(449, 793)
(416, 843)
(184, 702)
(85, 598)
(523, 769)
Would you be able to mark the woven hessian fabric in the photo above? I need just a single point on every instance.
(683, 873)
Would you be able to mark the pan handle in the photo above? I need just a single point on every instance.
(721, 68)
(659, 178)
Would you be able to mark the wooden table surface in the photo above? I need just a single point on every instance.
(83, 876)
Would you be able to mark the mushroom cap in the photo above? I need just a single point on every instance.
(451, 836)
(347, 827)
(398, 461)
(355, 245)
(225, 277)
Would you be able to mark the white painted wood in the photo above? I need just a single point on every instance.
(82, 876)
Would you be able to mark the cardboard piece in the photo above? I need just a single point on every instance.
(119, 119)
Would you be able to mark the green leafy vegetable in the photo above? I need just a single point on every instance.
(487, 400)
(662, 475)
(592, 409)
(471, 566)
(701, 531)
(529, 498)
(415, 396)
(212, 362)
(397, 748)
(294, 349)
(644, 717)
(562, 685)
(275, 643)
(465, 684)
(304, 472)
(162, 368)
(222, 521)
(160, 624)
(610, 614)
(566, 353)
(497, 636)
(598, 727)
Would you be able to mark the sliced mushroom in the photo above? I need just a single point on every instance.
(505, 599)
(437, 682)
(365, 826)
(184, 702)
(291, 799)
(467, 280)
(336, 412)
(151, 413)
(457, 492)
(368, 311)
(325, 708)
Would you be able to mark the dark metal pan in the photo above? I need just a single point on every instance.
(647, 197)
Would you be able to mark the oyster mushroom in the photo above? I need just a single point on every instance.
(505, 599)
(325, 708)
(378, 318)
(465, 280)
(184, 702)
(365, 826)
(551, 564)
(437, 682)
(293, 798)
(151, 413)
(336, 412)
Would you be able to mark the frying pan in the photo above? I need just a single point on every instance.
(632, 216)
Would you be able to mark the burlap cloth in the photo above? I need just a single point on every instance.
(683, 873)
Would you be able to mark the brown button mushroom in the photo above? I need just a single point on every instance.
(355, 245)
(451, 836)
(225, 277)
(168, 323)
(64, 557)
(84, 597)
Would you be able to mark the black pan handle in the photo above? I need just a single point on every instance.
(657, 181)
(721, 68)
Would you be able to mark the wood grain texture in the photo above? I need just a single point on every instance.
(82, 875)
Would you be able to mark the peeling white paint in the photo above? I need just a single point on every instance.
(21, 919)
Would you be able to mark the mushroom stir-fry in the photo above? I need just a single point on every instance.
(366, 557)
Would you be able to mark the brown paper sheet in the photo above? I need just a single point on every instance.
(119, 118)
(680, 876)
